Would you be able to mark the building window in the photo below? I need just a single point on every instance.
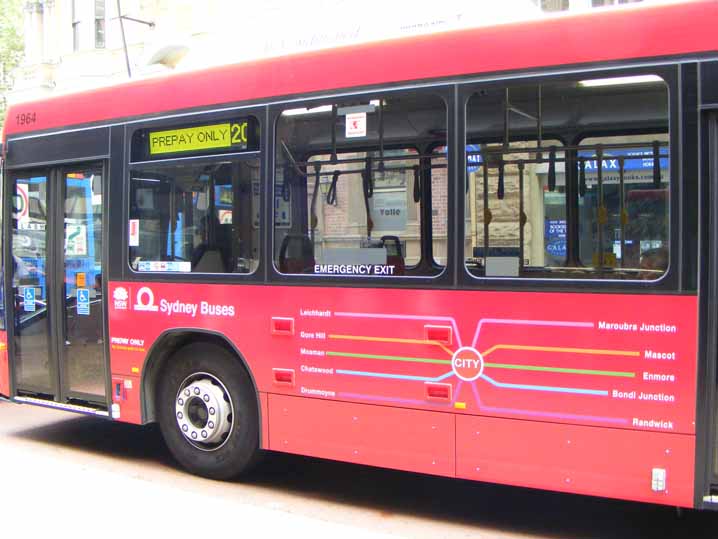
(99, 24)
(75, 27)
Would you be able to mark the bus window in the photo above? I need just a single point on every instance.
(640, 238)
(358, 189)
(197, 217)
(543, 200)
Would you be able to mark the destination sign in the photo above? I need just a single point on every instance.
(238, 135)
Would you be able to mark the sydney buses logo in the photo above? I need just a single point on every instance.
(120, 295)
(145, 300)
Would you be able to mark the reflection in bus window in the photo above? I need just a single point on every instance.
(198, 217)
(544, 199)
(28, 242)
(359, 190)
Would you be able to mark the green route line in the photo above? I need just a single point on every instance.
(391, 358)
(566, 370)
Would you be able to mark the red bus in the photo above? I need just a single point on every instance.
(487, 254)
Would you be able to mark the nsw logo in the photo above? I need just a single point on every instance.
(145, 300)
(120, 296)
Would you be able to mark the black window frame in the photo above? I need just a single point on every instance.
(180, 121)
(671, 280)
(444, 91)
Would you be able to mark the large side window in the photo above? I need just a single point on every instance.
(568, 180)
(195, 217)
(360, 189)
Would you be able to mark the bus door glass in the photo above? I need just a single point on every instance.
(57, 285)
(83, 345)
(34, 372)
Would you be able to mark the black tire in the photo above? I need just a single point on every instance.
(237, 450)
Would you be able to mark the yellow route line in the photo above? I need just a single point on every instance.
(591, 351)
(391, 339)
(559, 349)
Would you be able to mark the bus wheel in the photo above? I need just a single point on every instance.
(207, 410)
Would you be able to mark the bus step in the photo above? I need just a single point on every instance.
(62, 406)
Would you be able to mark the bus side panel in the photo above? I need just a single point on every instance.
(614, 463)
(4, 366)
(580, 366)
(396, 438)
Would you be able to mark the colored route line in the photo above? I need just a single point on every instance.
(591, 351)
(526, 387)
(536, 368)
(390, 358)
(396, 376)
(538, 413)
(487, 409)
(406, 317)
(565, 370)
(551, 389)
(383, 398)
(550, 323)
(391, 340)
(539, 368)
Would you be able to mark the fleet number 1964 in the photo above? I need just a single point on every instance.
(25, 118)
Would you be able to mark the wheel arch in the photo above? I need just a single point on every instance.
(165, 346)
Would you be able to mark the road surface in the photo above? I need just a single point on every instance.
(73, 475)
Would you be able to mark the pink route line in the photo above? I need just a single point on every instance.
(408, 317)
(553, 323)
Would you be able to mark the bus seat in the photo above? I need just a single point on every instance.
(394, 257)
(296, 254)
(210, 262)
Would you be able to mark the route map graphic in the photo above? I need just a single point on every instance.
(611, 360)
(632, 372)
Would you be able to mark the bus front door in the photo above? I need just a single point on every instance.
(58, 342)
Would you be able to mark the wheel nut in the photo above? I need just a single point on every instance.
(211, 411)
(180, 401)
(184, 428)
(210, 424)
(186, 393)
(204, 434)
(206, 398)
(180, 415)
(194, 435)
(196, 391)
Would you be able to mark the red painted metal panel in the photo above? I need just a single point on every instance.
(126, 396)
(4, 366)
(376, 435)
(264, 405)
(601, 36)
(597, 461)
(617, 361)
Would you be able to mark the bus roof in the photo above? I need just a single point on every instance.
(604, 35)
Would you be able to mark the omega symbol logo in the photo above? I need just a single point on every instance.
(145, 300)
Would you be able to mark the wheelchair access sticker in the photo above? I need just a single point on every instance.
(28, 297)
(83, 301)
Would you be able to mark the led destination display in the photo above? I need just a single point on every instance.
(238, 135)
